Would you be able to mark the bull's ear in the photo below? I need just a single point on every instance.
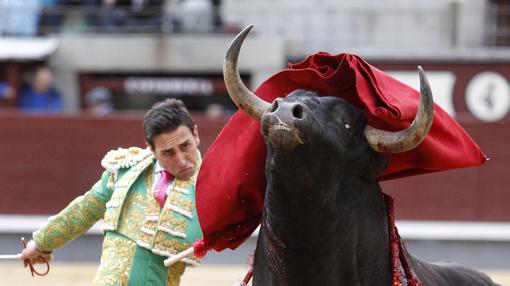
(377, 163)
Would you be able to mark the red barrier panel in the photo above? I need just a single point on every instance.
(472, 194)
(46, 161)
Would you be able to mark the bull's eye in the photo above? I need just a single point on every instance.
(348, 127)
(275, 106)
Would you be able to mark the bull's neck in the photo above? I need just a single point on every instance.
(334, 219)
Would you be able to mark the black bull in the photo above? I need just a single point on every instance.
(324, 219)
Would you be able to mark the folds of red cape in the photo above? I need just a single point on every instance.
(232, 181)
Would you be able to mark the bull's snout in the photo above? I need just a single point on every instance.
(287, 111)
(279, 124)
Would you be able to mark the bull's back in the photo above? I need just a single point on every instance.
(449, 273)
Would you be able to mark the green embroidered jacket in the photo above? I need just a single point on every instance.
(124, 199)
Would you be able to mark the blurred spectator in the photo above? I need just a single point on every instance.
(7, 93)
(99, 101)
(196, 16)
(135, 15)
(104, 14)
(171, 19)
(52, 15)
(19, 17)
(147, 14)
(40, 95)
(216, 13)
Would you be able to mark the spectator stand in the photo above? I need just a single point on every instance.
(17, 56)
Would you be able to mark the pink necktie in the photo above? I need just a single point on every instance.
(161, 186)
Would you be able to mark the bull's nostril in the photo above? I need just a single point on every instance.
(297, 111)
(275, 106)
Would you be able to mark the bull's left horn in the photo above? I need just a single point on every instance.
(405, 140)
(239, 93)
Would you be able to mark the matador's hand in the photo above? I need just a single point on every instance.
(33, 255)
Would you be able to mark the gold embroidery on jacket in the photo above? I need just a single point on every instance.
(174, 274)
(161, 230)
(181, 186)
(181, 205)
(133, 215)
(70, 223)
(116, 262)
(174, 225)
(162, 242)
(122, 186)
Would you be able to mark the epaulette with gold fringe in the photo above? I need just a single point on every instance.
(124, 158)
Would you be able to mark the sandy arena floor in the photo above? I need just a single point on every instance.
(77, 274)
(82, 274)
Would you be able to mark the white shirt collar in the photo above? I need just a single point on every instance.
(158, 167)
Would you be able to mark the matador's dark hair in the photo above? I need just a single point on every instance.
(166, 116)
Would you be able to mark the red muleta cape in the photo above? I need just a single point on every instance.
(232, 182)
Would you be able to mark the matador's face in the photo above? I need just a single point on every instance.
(177, 152)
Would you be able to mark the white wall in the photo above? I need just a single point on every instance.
(261, 56)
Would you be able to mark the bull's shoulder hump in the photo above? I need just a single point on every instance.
(124, 158)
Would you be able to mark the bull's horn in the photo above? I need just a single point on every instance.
(405, 140)
(239, 93)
